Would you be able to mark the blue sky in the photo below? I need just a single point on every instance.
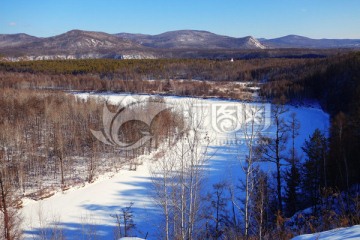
(238, 18)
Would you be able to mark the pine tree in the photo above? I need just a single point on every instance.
(292, 175)
(292, 178)
(313, 175)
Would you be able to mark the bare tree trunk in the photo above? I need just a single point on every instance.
(277, 161)
(250, 132)
(232, 196)
(4, 209)
(278, 180)
(187, 158)
(273, 150)
(62, 170)
(11, 220)
(162, 177)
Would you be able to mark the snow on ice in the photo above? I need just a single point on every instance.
(86, 210)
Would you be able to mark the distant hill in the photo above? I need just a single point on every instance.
(295, 41)
(78, 44)
(74, 42)
(10, 40)
(193, 39)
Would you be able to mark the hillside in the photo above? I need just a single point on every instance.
(193, 39)
(73, 45)
(78, 44)
(295, 41)
(11, 40)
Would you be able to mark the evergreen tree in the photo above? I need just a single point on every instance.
(292, 175)
(313, 175)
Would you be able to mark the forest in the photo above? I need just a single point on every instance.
(45, 144)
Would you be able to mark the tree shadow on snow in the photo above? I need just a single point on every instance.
(100, 221)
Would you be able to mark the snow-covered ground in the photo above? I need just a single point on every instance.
(87, 211)
(352, 233)
(84, 211)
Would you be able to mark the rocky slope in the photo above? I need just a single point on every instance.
(77, 44)
(73, 45)
(11, 40)
(192, 39)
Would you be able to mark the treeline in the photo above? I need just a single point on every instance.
(335, 83)
(204, 78)
(338, 89)
(239, 70)
(295, 198)
(92, 83)
(45, 137)
(46, 145)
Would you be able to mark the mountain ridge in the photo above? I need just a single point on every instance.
(77, 44)
(297, 41)
(8, 40)
(200, 39)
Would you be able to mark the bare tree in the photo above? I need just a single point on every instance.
(9, 216)
(124, 221)
(251, 127)
(217, 212)
(274, 147)
(260, 203)
(92, 162)
(163, 177)
(179, 178)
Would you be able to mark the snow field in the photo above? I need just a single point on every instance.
(86, 211)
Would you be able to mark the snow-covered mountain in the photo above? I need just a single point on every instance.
(77, 41)
(78, 44)
(10, 40)
(193, 39)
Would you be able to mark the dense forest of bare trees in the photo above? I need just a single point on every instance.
(46, 145)
(152, 76)
(46, 134)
